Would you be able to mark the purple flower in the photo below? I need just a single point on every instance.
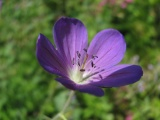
(86, 68)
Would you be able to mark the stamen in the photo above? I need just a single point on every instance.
(92, 64)
(82, 70)
(78, 54)
(102, 70)
(91, 73)
(100, 76)
(85, 49)
(73, 61)
(94, 56)
(79, 63)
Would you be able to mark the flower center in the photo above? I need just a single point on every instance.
(84, 68)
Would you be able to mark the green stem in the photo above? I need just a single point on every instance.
(68, 101)
(60, 114)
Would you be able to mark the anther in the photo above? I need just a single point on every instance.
(85, 50)
(94, 56)
(79, 63)
(73, 61)
(100, 76)
(92, 64)
(102, 70)
(82, 70)
(78, 54)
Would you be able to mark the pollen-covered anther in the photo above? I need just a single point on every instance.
(73, 61)
(100, 76)
(94, 57)
(92, 64)
(78, 54)
(85, 49)
(82, 70)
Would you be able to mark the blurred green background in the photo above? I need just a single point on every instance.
(27, 92)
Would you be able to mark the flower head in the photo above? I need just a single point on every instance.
(86, 68)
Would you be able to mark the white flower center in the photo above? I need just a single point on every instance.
(75, 75)
(80, 74)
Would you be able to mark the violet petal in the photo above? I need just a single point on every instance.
(70, 36)
(48, 57)
(109, 48)
(119, 75)
(67, 83)
(86, 88)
